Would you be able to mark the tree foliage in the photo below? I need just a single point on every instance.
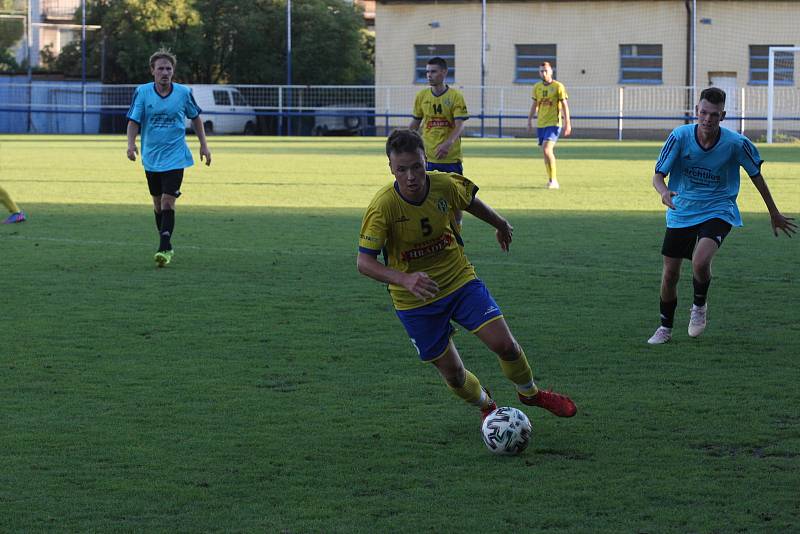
(224, 41)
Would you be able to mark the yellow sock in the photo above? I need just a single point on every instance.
(552, 172)
(519, 372)
(5, 198)
(471, 391)
(547, 169)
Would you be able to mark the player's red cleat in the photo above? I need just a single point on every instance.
(555, 403)
(492, 406)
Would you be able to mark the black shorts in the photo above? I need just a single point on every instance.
(680, 242)
(165, 182)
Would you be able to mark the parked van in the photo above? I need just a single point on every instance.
(225, 110)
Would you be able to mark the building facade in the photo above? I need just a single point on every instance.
(647, 51)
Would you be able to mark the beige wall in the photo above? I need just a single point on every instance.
(587, 35)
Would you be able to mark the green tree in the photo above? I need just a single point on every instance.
(12, 30)
(328, 43)
(131, 30)
(224, 41)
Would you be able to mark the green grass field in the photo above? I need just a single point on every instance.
(259, 383)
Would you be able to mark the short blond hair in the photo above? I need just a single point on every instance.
(163, 53)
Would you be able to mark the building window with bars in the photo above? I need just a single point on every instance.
(423, 52)
(529, 57)
(640, 63)
(759, 66)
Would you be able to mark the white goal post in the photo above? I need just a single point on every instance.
(771, 86)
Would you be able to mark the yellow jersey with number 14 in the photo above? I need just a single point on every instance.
(549, 97)
(438, 115)
(419, 237)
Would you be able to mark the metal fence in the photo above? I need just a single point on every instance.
(602, 112)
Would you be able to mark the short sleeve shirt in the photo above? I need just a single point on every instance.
(418, 237)
(706, 180)
(438, 115)
(549, 97)
(162, 122)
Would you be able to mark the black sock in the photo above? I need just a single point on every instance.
(167, 226)
(668, 312)
(700, 291)
(158, 220)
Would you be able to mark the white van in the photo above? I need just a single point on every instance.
(225, 111)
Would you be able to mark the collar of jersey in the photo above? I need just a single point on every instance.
(446, 88)
(696, 140)
(427, 190)
(171, 89)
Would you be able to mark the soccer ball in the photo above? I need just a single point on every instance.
(506, 431)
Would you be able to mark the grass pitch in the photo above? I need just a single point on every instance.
(260, 384)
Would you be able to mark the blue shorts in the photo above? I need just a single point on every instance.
(446, 167)
(429, 328)
(548, 133)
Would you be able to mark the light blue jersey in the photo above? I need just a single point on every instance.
(706, 180)
(162, 124)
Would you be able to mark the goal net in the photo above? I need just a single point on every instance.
(783, 96)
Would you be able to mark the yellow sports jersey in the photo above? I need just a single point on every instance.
(438, 115)
(420, 237)
(549, 97)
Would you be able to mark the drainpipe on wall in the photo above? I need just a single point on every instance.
(689, 60)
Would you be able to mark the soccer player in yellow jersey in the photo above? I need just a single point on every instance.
(432, 283)
(17, 215)
(442, 113)
(549, 105)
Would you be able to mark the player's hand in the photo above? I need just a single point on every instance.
(666, 198)
(132, 151)
(530, 127)
(205, 153)
(503, 235)
(443, 149)
(784, 224)
(567, 130)
(421, 285)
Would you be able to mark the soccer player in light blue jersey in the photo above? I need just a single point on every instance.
(159, 110)
(702, 161)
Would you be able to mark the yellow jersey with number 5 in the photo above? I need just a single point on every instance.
(419, 237)
(438, 115)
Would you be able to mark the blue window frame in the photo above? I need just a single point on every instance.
(529, 57)
(759, 66)
(641, 63)
(423, 52)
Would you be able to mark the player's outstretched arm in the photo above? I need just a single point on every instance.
(778, 221)
(484, 212)
(132, 131)
(199, 129)
(418, 284)
(663, 190)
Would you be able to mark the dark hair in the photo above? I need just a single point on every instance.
(438, 61)
(714, 95)
(546, 64)
(403, 141)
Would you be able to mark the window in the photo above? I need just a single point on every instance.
(423, 53)
(640, 63)
(238, 99)
(222, 98)
(759, 66)
(529, 57)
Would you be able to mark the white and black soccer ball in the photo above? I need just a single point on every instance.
(506, 431)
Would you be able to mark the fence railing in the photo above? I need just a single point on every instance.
(613, 111)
